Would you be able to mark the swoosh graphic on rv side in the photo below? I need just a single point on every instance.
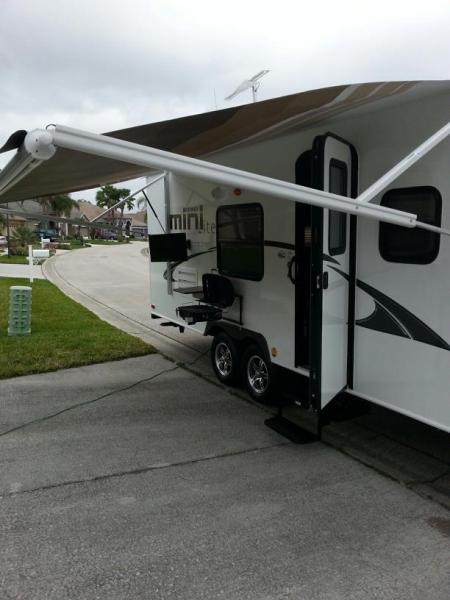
(283, 245)
(391, 317)
(269, 243)
(181, 262)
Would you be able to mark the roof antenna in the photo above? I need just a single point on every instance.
(253, 83)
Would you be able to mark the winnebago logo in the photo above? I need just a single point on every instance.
(191, 219)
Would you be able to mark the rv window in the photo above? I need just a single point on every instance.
(414, 246)
(240, 241)
(337, 221)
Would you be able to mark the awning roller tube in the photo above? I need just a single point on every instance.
(101, 145)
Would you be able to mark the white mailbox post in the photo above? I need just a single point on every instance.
(33, 255)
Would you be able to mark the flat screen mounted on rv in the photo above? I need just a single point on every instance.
(168, 247)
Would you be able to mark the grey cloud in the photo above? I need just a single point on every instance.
(110, 64)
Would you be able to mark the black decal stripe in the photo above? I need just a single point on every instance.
(417, 329)
(382, 320)
(330, 259)
(181, 262)
(279, 245)
(395, 316)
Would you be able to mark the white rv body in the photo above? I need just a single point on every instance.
(398, 372)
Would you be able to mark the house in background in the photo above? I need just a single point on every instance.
(19, 220)
(135, 224)
(86, 211)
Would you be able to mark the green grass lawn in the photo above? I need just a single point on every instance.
(13, 260)
(63, 334)
(105, 242)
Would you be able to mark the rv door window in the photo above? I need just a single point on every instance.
(413, 246)
(240, 241)
(337, 221)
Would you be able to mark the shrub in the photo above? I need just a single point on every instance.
(16, 249)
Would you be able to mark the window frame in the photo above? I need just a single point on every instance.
(260, 243)
(338, 250)
(386, 227)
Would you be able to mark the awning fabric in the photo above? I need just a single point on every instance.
(197, 135)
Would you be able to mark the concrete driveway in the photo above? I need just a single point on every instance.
(138, 479)
(112, 281)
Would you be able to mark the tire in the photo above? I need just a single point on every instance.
(257, 374)
(225, 359)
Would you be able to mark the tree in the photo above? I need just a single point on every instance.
(2, 221)
(108, 196)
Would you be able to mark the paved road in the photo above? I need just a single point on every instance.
(137, 479)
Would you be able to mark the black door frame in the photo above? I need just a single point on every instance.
(303, 169)
(316, 180)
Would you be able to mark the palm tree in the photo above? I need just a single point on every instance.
(62, 205)
(108, 196)
(142, 204)
(58, 206)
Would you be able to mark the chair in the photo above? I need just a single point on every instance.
(217, 290)
(218, 293)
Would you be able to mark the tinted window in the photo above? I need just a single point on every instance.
(405, 245)
(240, 241)
(337, 221)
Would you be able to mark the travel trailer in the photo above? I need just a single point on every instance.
(307, 235)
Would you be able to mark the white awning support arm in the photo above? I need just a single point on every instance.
(373, 190)
(433, 228)
(108, 147)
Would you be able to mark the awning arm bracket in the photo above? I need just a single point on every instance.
(37, 147)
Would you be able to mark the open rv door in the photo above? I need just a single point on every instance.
(335, 170)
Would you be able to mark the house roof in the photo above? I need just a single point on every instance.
(202, 134)
(88, 210)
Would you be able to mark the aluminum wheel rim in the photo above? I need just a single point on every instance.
(257, 374)
(223, 359)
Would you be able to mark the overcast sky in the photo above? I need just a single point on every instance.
(108, 64)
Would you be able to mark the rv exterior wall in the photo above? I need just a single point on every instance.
(399, 372)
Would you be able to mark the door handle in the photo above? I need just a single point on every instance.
(325, 280)
(292, 269)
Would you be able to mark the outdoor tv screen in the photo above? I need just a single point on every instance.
(168, 247)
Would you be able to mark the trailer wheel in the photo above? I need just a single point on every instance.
(257, 373)
(225, 359)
